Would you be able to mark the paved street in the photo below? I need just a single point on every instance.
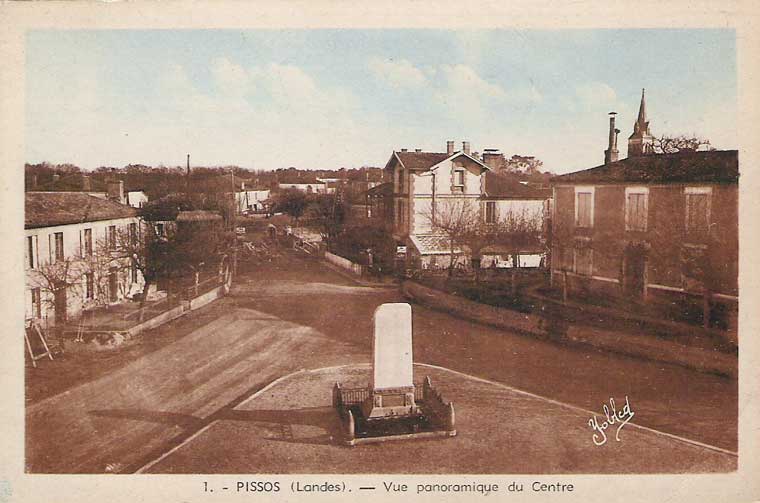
(297, 314)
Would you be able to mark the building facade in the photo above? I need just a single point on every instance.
(650, 227)
(430, 187)
(69, 243)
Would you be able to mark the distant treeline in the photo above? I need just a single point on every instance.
(161, 180)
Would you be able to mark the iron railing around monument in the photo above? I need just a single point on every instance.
(356, 396)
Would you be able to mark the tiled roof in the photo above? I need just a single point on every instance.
(381, 190)
(509, 187)
(714, 166)
(44, 209)
(421, 160)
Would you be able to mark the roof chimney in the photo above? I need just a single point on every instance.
(493, 158)
(449, 147)
(116, 191)
(403, 150)
(418, 150)
(466, 147)
(611, 154)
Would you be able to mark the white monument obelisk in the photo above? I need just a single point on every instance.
(392, 372)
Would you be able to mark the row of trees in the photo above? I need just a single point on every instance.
(467, 231)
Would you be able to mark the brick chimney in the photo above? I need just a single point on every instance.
(466, 147)
(449, 147)
(116, 191)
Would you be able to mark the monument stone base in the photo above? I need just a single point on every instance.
(369, 416)
(390, 402)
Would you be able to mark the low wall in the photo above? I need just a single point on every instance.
(343, 263)
(649, 347)
(206, 298)
(157, 321)
(174, 313)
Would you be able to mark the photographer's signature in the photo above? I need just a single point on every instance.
(612, 417)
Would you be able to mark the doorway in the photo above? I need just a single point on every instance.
(635, 265)
(60, 301)
(113, 285)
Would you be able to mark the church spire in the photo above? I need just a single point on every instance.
(641, 141)
(642, 119)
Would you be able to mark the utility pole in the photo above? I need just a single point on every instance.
(234, 201)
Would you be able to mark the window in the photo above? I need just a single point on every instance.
(583, 261)
(36, 303)
(584, 207)
(459, 178)
(697, 209)
(89, 283)
(160, 230)
(111, 237)
(88, 242)
(58, 246)
(636, 207)
(30, 248)
(490, 212)
(401, 180)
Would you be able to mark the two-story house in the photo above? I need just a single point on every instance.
(651, 226)
(68, 239)
(425, 183)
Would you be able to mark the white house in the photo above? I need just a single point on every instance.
(136, 198)
(68, 236)
(426, 185)
(251, 200)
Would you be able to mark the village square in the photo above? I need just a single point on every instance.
(476, 306)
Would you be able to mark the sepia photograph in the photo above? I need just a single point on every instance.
(339, 250)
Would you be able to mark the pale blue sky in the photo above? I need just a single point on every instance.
(347, 98)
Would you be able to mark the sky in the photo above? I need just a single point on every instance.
(321, 99)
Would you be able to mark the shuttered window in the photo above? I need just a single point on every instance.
(585, 207)
(636, 211)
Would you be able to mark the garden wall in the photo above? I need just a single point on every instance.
(343, 263)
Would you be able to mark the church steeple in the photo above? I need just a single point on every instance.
(641, 141)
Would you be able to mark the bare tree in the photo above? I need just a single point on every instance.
(464, 226)
(58, 277)
(682, 143)
(453, 219)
